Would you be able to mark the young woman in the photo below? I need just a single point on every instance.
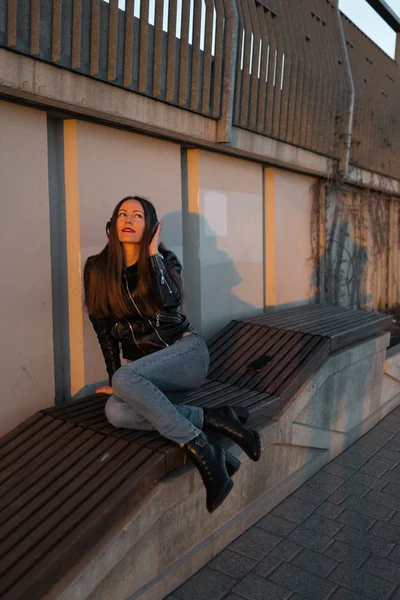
(133, 290)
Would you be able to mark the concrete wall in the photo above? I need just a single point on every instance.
(226, 201)
(26, 355)
(289, 270)
(113, 164)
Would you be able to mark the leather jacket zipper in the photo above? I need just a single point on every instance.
(164, 281)
(150, 323)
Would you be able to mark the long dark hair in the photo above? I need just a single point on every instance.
(103, 272)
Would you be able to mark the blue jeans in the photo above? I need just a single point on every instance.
(139, 402)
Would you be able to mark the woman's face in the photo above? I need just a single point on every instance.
(130, 222)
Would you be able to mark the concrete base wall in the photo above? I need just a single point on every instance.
(170, 535)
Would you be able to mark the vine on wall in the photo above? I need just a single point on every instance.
(355, 245)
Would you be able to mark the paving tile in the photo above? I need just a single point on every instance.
(391, 488)
(315, 563)
(390, 454)
(393, 476)
(356, 520)
(339, 470)
(232, 596)
(348, 554)
(383, 499)
(232, 563)
(204, 585)
(276, 525)
(286, 550)
(329, 510)
(254, 587)
(350, 459)
(382, 567)
(396, 518)
(365, 541)
(395, 554)
(255, 543)
(377, 466)
(326, 482)
(368, 480)
(294, 509)
(338, 497)
(343, 594)
(266, 565)
(362, 583)
(386, 530)
(309, 539)
(369, 441)
(302, 582)
(311, 494)
(395, 597)
(368, 508)
(382, 432)
(322, 525)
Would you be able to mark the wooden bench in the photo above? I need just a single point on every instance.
(66, 474)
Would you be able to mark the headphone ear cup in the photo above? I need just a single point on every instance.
(108, 228)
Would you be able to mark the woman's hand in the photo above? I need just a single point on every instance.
(105, 389)
(155, 242)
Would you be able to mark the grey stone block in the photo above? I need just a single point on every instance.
(314, 563)
(365, 507)
(391, 488)
(383, 499)
(326, 482)
(329, 510)
(384, 432)
(232, 563)
(255, 543)
(232, 596)
(266, 565)
(204, 585)
(309, 539)
(350, 459)
(302, 582)
(356, 520)
(338, 497)
(276, 525)
(393, 476)
(322, 525)
(353, 489)
(370, 441)
(396, 519)
(382, 567)
(348, 554)
(368, 480)
(311, 494)
(286, 550)
(384, 453)
(339, 470)
(395, 554)
(254, 587)
(343, 594)
(377, 466)
(294, 509)
(387, 531)
(365, 541)
(362, 583)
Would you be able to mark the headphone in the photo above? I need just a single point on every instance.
(154, 222)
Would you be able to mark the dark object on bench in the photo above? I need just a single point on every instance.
(67, 475)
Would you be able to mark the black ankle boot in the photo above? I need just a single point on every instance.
(225, 421)
(210, 460)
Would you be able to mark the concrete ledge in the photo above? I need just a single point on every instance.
(47, 86)
(170, 535)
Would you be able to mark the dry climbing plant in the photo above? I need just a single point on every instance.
(355, 245)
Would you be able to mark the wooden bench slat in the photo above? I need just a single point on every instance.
(23, 455)
(31, 473)
(12, 436)
(20, 435)
(67, 546)
(62, 476)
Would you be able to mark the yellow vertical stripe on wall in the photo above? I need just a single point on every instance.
(269, 233)
(193, 175)
(77, 375)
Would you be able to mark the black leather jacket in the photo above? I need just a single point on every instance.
(140, 334)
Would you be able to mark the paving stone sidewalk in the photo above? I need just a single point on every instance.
(337, 537)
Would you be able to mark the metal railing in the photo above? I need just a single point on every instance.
(275, 67)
